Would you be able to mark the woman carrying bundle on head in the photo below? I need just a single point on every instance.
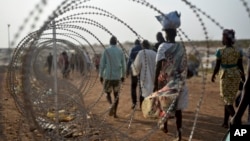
(170, 91)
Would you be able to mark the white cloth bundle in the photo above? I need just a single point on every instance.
(170, 20)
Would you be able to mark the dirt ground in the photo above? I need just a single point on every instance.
(203, 98)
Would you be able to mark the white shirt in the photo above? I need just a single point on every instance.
(144, 65)
(161, 51)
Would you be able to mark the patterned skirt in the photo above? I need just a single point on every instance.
(229, 85)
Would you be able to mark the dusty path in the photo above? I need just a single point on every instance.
(207, 128)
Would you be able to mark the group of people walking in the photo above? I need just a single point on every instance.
(63, 63)
(158, 72)
(162, 71)
(69, 63)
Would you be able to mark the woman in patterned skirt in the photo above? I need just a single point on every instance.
(229, 62)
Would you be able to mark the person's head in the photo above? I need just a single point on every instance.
(145, 44)
(64, 53)
(137, 42)
(170, 34)
(159, 37)
(228, 37)
(113, 40)
(170, 22)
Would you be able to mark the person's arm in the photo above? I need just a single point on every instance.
(216, 69)
(137, 65)
(157, 72)
(128, 63)
(217, 64)
(160, 56)
(102, 65)
(240, 66)
(123, 65)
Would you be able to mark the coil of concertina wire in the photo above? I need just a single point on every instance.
(72, 118)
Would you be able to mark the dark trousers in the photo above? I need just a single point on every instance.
(116, 101)
(134, 83)
(178, 122)
(228, 111)
(49, 67)
(178, 115)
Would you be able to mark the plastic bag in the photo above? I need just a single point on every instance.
(170, 20)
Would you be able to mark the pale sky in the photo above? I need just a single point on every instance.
(229, 13)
